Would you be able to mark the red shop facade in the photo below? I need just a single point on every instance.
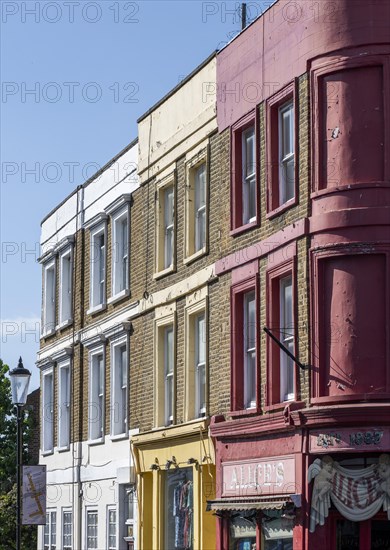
(313, 480)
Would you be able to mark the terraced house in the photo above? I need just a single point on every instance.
(84, 363)
(215, 349)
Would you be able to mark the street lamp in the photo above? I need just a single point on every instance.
(20, 379)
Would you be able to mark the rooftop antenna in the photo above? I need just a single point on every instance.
(243, 16)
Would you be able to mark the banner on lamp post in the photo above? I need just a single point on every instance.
(34, 495)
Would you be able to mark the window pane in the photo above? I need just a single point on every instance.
(91, 530)
(168, 366)
(200, 207)
(200, 365)
(287, 338)
(249, 152)
(200, 186)
(250, 349)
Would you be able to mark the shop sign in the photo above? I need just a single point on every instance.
(357, 494)
(34, 495)
(365, 439)
(263, 476)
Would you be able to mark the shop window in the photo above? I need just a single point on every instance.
(96, 395)
(196, 208)
(49, 299)
(243, 529)
(245, 345)
(111, 529)
(179, 513)
(64, 405)
(119, 375)
(244, 184)
(67, 530)
(66, 287)
(196, 356)
(281, 150)
(276, 531)
(165, 381)
(92, 529)
(165, 227)
(281, 376)
(48, 411)
(50, 531)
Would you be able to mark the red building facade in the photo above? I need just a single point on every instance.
(303, 457)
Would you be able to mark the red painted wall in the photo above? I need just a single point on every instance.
(279, 46)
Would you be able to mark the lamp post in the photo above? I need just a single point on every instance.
(20, 379)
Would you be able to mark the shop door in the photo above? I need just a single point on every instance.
(373, 534)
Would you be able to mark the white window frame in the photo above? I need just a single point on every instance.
(118, 394)
(64, 394)
(120, 253)
(98, 272)
(195, 210)
(249, 352)
(66, 511)
(49, 299)
(165, 229)
(66, 288)
(112, 509)
(200, 411)
(49, 524)
(287, 338)
(286, 157)
(248, 177)
(169, 374)
(93, 435)
(47, 411)
(196, 306)
(163, 322)
(89, 511)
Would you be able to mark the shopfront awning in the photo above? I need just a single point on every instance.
(269, 503)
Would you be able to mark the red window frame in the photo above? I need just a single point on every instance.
(236, 214)
(273, 104)
(273, 277)
(238, 291)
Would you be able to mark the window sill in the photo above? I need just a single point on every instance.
(64, 324)
(119, 437)
(92, 442)
(167, 271)
(117, 297)
(282, 208)
(47, 453)
(96, 309)
(195, 256)
(245, 412)
(243, 228)
(48, 333)
(63, 449)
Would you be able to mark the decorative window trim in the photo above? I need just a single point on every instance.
(273, 105)
(64, 322)
(49, 371)
(119, 210)
(238, 292)
(190, 254)
(196, 304)
(96, 351)
(95, 232)
(49, 327)
(160, 324)
(237, 225)
(118, 342)
(161, 187)
(273, 277)
(65, 364)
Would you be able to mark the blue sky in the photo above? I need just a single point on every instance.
(76, 75)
